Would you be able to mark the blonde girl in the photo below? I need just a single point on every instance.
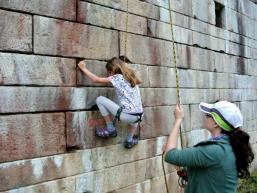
(129, 108)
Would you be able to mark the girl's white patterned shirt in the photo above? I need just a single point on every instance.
(128, 97)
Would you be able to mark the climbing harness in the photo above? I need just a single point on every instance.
(139, 120)
(182, 181)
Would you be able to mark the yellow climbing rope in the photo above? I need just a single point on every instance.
(176, 67)
(126, 33)
(177, 90)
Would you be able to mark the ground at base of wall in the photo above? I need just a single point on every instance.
(249, 185)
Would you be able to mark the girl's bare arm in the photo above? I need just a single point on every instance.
(91, 75)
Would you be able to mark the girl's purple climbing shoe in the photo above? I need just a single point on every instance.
(132, 143)
(105, 133)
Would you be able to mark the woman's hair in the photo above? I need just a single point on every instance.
(119, 66)
(239, 141)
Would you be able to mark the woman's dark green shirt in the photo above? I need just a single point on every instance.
(211, 166)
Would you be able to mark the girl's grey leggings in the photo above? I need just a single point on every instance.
(107, 106)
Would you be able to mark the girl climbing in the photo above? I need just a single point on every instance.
(129, 108)
(213, 166)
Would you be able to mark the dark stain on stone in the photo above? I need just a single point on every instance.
(62, 101)
(240, 66)
(240, 61)
(188, 57)
(20, 27)
(149, 31)
(154, 52)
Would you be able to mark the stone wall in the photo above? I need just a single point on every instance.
(47, 141)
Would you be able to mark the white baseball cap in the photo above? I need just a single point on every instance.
(226, 114)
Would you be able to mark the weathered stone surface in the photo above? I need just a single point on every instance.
(148, 50)
(59, 166)
(57, 37)
(204, 10)
(30, 99)
(20, 69)
(38, 170)
(158, 121)
(16, 31)
(103, 156)
(195, 96)
(154, 185)
(27, 136)
(34, 99)
(167, 96)
(114, 178)
(66, 185)
(248, 109)
(163, 30)
(162, 76)
(136, 7)
(182, 6)
(40, 81)
(199, 58)
(59, 8)
(158, 96)
(111, 18)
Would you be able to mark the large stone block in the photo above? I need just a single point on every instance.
(252, 67)
(204, 10)
(195, 79)
(66, 185)
(16, 31)
(20, 69)
(162, 76)
(158, 96)
(163, 30)
(27, 136)
(110, 18)
(57, 37)
(200, 59)
(103, 156)
(248, 109)
(163, 3)
(145, 50)
(35, 99)
(153, 185)
(59, 8)
(182, 6)
(231, 94)
(195, 96)
(111, 179)
(35, 171)
(38, 170)
(136, 7)
(158, 121)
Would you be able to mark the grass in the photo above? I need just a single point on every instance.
(249, 185)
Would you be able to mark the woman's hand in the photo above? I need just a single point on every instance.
(82, 64)
(179, 113)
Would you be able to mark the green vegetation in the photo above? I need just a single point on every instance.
(249, 185)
